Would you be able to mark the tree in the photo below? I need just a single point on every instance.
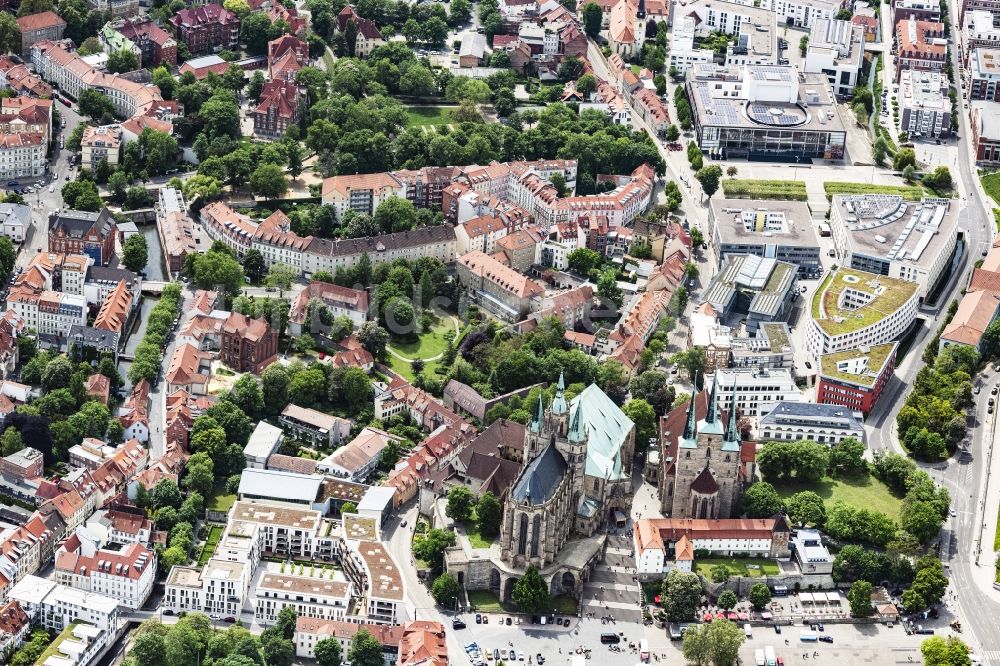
(728, 600)
(374, 339)
(435, 31)
(847, 458)
(761, 500)
(488, 515)
(583, 260)
(759, 596)
(682, 591)
(879, 150)
(717, 642)
(11, 442)
(586, 84)
(417, 80)
(570, 69)
(135, 253)
(396, 214)
(691, 361)
(248, 396)
(446, 590)
(94, 103)
(366, 650)
(950, 651)
(460, 501)
(806, 508)
(357, 388)
(328, 652)
(939, 179)
(530, 593)
(642, 414)
(803, 45)
(149, 649)
(904, 158)
(909, 173)
(122, 60)
(709, 178)
(592, 19)
(278, 652)
(672, 133)
(253, 265)
(459, 12)
(430, 547)
(280, 276)
(921, 519)
(212, 270)
(860, 115)
(8, 256)
(10, 34)
(608, 289)
(860, 598)
(268, 181)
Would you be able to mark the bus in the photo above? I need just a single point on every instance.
(644, 650)
(781, 590)
(808, 637)
(769, 656)
(759, 657)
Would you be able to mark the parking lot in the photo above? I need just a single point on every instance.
(870, 643)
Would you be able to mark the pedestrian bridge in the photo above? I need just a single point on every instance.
(153, 287)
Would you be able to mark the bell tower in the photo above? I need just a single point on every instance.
(535, 437)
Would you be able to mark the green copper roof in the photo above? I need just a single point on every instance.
(607, 430)
(731, 442)
(559, 402)
(536, 423)
(576, 432)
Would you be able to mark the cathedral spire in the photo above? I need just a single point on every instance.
(713, 400)
(732, 434)
(559, 405)
(576, 433)
(536, 424)
(691, 428)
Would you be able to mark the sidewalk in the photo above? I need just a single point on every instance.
(986, 516)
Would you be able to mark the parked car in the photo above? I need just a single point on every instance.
(777, 628)
(230, 619)
(479, 618)
(457, 623)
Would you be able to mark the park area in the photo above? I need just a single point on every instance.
(428, 117)
(208, 549)
(749, 567)
(427, 347)
(867, 493)
(220, 500)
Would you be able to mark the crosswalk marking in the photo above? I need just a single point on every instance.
(992, 656)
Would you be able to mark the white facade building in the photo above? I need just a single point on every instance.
(310, 596)
(802, 13)
(836, 48)
(859, 309)
(757, 390)
(55, 606)
(683, 54)
(125, 575)
(826, 424)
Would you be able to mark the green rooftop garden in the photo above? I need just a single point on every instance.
(826, 301)
(53, 648)
(776, 335)
(877, 356)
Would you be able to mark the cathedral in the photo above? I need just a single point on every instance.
(705, 465)
(577, 473)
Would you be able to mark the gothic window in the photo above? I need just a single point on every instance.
(670, 489)
(522, 538)
(727, 458)
(536, 528)
(687, 454)
(708, 450)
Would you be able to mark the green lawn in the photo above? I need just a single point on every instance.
(485, 601)
(427, 345)
(53, 647)
(428, 116)
(991, 183)
(908, 192)
(865, 494)
(208, 550)
(738, 566)
(219, 499)
(476, 540)
(764, 189)
(996, 537)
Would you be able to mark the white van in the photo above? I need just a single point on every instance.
(747, 631)
(759, 657)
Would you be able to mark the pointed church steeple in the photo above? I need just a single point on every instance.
(641, 10)
(690, 437)
(576, 433)
(712, 425)
(732, 438)
(536, 423)
(559, 405)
